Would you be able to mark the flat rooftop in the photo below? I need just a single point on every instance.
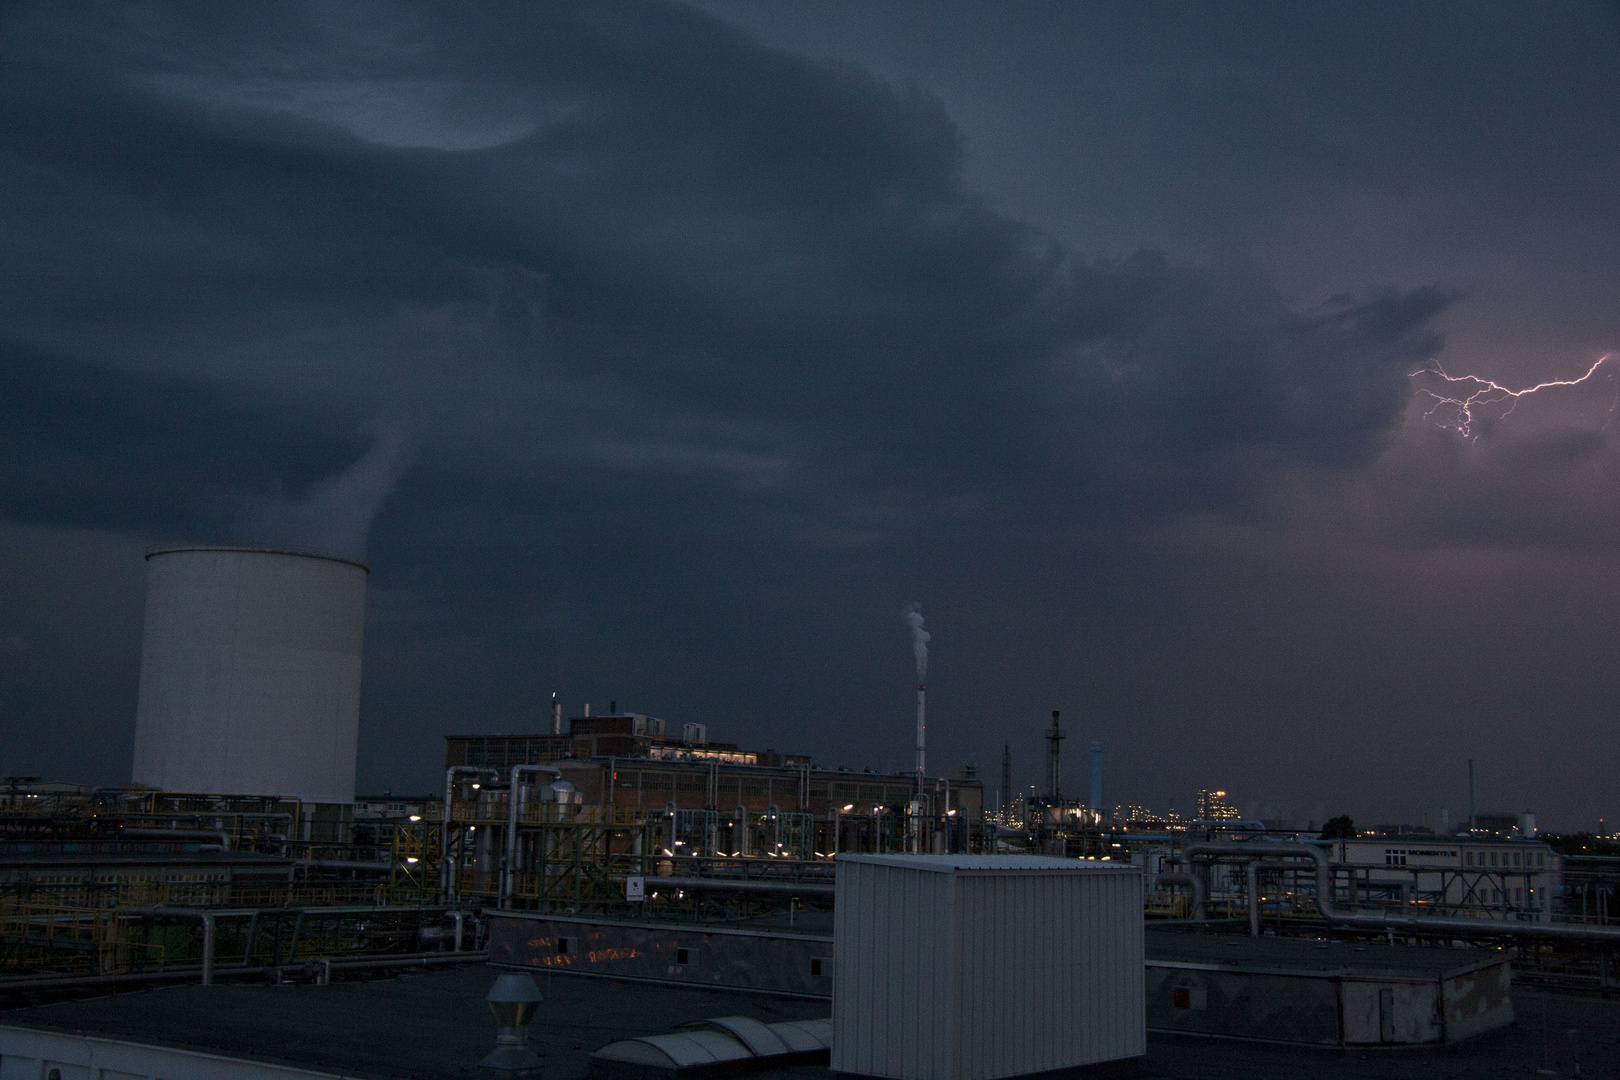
(436, 1025)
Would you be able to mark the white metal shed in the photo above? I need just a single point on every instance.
(976, 967)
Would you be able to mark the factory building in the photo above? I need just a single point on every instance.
(629, 761)
(534, 819)
(1486, 877)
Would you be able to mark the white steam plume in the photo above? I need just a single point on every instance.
(335, 516)
(919, 639)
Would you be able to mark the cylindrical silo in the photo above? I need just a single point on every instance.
(250, 673)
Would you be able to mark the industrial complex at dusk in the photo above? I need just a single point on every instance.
(617, 844)
(809, 539)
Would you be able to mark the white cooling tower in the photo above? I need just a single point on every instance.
(250, 673)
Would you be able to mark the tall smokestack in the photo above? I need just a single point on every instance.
(922, 735)
(1054, 787)
(556, 714)
(919, 649)
(1096, 776)
(1470, 794)
(1004, 796)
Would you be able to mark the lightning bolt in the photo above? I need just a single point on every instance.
(1487, 393)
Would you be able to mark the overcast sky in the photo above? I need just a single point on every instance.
(664, 355)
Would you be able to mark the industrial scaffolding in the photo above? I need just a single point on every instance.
(546, 854)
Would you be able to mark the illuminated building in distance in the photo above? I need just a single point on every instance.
(1212, 806)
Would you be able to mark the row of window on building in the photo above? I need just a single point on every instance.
(1498, 860)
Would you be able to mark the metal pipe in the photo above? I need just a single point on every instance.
(509, 864)
(207, 917)
(797, 888)
(243, 913)
(1193, 882)
(447, 880)
(1230, 823)
(174, 972)
(1383, 920)
(220, 835)
(342, 864)
(1253, 883)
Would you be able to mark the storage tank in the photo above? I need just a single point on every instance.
(250, 673)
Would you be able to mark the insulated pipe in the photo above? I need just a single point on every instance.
(508, 869)
(1383, 920)
(447, 883)
(1191, 881)
(207, 918)
(797, 888)
(219, 835)
(1253, 883)
(173, 973)
(1233, 823)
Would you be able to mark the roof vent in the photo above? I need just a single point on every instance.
(512, 999)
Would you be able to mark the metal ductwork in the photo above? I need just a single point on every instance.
(516, 798)
(1383, 920)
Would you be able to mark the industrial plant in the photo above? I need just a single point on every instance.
(618, 844)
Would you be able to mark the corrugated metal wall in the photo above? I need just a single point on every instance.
(978, 967)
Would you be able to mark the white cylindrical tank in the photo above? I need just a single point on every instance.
(250, 673)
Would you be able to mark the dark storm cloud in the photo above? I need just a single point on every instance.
(93, 447)
(1211, 383)
(702, 232)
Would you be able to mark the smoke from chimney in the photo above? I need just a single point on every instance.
(919, 639)
(335, 514)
